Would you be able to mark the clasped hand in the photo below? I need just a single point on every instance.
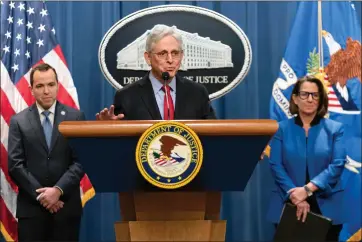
(49, 198)
(302, 210)
(106, 114)
(298, 195)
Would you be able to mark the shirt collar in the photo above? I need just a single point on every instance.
(51, 109)
(157, 85)
(314, 122)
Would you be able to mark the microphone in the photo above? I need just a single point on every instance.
(165, 78)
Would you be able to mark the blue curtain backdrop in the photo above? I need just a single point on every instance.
(80, 27)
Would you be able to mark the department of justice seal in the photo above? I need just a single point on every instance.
(169, 155)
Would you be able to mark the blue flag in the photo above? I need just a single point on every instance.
(341, 74)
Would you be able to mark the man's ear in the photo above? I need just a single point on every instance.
(147, 57)
(31, 90)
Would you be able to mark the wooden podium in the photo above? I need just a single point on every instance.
(106, 149)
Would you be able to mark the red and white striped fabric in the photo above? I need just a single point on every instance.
(165, 162)
(333, 103)
(15, 98)
(15, 92)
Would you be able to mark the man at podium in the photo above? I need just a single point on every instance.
(161, 94)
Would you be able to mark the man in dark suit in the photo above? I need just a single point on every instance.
(43, 166)
(161, 94)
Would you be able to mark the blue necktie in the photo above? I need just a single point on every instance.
(47, 127)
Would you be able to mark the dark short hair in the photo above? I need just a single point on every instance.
(323, 98)
(41, 67)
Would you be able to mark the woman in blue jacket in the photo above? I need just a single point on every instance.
(307, 158)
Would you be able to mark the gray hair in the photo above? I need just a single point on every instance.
(160, 31)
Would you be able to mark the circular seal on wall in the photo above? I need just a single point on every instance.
(216, 51)
(169, 155)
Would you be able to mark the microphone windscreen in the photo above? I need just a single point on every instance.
(165, 76)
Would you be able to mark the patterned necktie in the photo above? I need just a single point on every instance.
(47, 127)
(168, 109)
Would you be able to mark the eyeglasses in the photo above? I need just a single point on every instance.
(163, 55)
(304, 95)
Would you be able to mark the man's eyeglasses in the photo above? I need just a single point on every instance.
(163, 55)
(304, 95)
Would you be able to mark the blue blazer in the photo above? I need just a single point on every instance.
(324, 154)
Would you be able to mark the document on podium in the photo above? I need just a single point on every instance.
(315, 227)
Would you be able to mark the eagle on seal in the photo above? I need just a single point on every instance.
(168, 143)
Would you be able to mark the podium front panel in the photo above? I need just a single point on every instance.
(228, 163)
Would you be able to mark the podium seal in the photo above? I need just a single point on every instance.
(169, 155)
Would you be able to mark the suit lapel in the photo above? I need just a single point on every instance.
(181, 95)
(59, 116)
(34, 120)
(301, 142)
(149, 98)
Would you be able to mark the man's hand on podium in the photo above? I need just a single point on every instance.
(106, 114)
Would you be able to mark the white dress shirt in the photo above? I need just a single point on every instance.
(160, 95)
(51, 115)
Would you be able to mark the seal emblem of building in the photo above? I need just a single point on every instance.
(216, 51)
(169, 155)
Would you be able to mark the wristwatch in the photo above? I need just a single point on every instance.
(309, 192)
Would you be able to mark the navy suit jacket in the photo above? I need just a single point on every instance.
(137, 101)
(324, 155)
(33, 165)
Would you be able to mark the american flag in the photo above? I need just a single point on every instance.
(333, 103)
(161, 160)
(27, 38)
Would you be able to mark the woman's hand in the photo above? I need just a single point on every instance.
(302, 210)
(297, 195)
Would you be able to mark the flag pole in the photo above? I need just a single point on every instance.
(320, 38)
